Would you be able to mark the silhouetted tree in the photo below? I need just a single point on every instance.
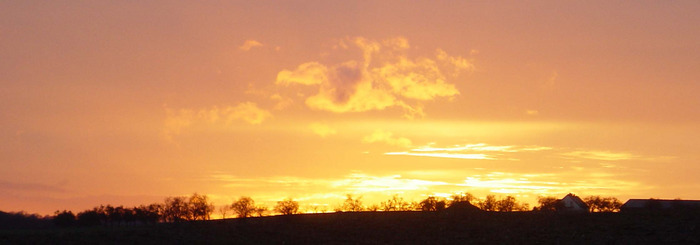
(223, 210)
(115, 215)
(64, 218)
(260, 210)
(603, 204)
(547, 204)
(287, 207)
(373, 208)
(128, 215)
(200, 207)
(507, 204)
(396, 203)
(461, 197)
(243, 207)
(141, 214)
(176, 209)
(90, 217)
(432, 204)
(155, 212)
(488, 204)
(353, 204)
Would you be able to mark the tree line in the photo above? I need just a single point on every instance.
(199, 207)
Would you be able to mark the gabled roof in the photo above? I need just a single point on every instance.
(576, 200)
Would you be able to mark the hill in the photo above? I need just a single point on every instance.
(390, 228)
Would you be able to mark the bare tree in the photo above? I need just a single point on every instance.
(488, 204)
(176, 209)
(547, 204)
(287, 207)
(507, 204)
(260, 210)
(373, 208)
(223, 210)
(396, 203)
(603, 204)
(432, 204)
(462, 197)
(352, 204)
(200, 207)
(243, 207)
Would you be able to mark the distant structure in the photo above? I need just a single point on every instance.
(463, 208)
(655, 205)
(572, 204)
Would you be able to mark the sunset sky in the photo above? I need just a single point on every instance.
(128, 102)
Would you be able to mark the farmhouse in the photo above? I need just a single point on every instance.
(572, 204)
(646, 205)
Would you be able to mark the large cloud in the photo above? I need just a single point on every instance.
(385, 77)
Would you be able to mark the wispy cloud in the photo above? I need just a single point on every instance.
(601, 155)
(249, 44)
(178, 120)
(388, 138)
(443, 155)
(322, 129)
(367, 183)
(7, 186)
(468, 151)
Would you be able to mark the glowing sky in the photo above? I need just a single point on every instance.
(127, 102)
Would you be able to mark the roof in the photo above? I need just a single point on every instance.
(576, 200)
(660, 203)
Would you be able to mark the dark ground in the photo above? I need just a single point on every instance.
(389, 228)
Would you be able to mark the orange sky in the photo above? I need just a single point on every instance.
(126, 103)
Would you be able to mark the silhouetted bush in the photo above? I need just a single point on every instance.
(22, 220)
(603, 204)
(64, 218)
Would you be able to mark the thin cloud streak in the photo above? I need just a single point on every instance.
(443, 155)
(601, 155)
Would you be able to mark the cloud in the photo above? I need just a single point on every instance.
(532, 112)
(388, 138)
(177, 120)
(7, 187)
(322, 130)
(481, 147)
(385, 77)
(249, 44)
(359, 182)
(469, 151)
(601, 155)
(281, 101)
(247, 111)
(309, 73)
(443, 155)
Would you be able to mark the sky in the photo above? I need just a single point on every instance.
(129, 102)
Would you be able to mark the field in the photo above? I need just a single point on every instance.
(390, 228)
